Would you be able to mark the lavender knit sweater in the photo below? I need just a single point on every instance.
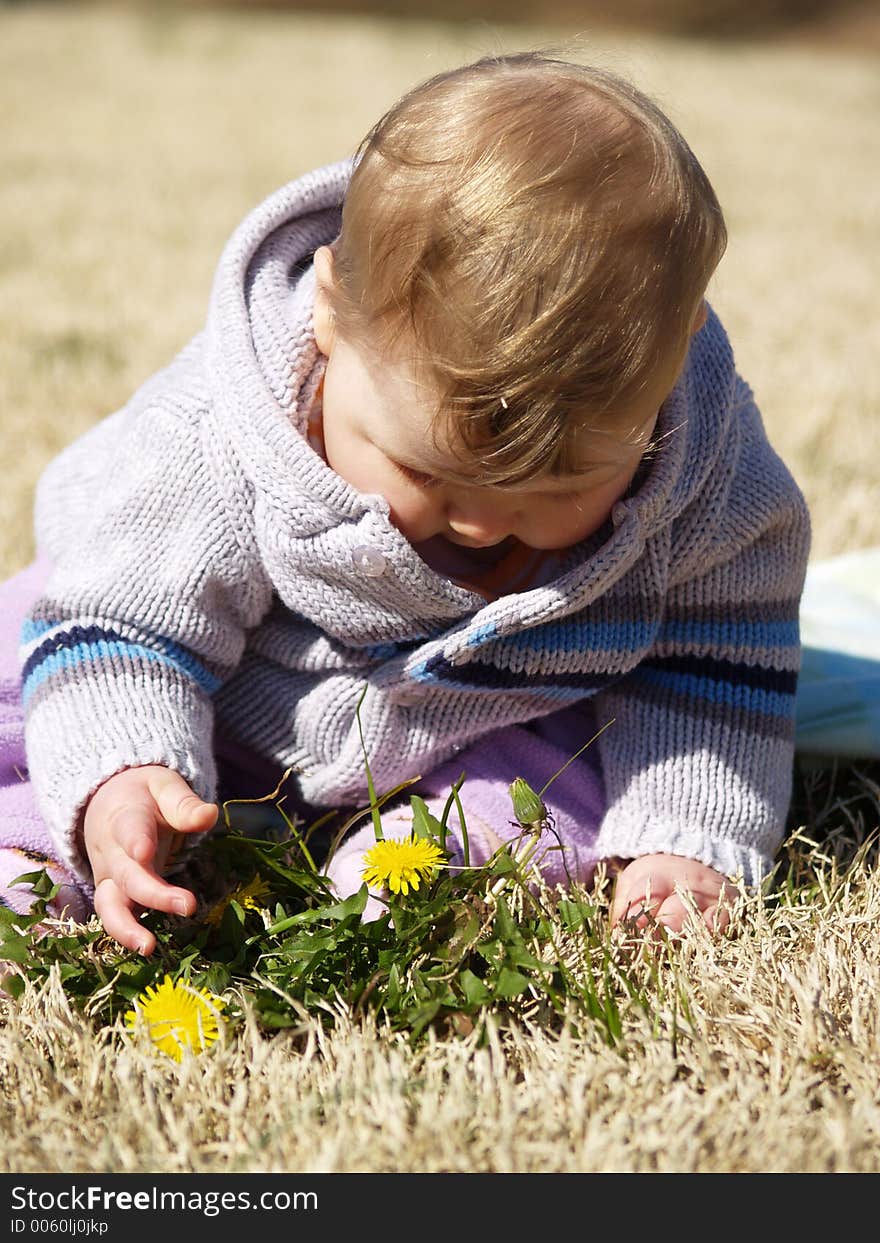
(209, 566)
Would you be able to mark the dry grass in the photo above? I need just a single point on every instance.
(131, 146)
(765, 1056)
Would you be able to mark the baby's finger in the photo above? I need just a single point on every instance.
(676, 912)
(716, 916)
(672, 913)
(634, 903)
(151, 891)
(626, 907)
(622, 900)
(133, 828)
(140, 884)
(182, 809)
(126, 830)
(115, 911)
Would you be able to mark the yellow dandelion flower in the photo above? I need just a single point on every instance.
(180, 1016)
(401, 865)
(251, 895)
(248, 896)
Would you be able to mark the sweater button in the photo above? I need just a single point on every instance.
(369, 561)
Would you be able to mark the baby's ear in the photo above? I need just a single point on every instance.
(324, 319)
(700, 318)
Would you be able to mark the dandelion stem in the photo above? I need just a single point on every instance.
(297, 837)
(572, 758)
(371, 789)
(465, 842)
(447, 807)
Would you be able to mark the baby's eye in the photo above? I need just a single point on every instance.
(417, 477)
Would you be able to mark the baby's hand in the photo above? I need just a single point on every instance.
(646, 887)
(128, 829)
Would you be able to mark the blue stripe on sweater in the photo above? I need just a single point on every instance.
(731, 683)
(752, 634)
(82, 645)
(736, 673)
(575, 634)
(483, 634)
(31, 630)
(747, 687)
(478, 676)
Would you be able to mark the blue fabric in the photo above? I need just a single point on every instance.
(838, 698)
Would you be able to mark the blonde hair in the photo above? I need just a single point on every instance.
(541, 235)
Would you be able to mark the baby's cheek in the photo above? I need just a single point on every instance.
(562, 530)
(413, 516)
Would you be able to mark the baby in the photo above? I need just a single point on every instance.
(463, 444)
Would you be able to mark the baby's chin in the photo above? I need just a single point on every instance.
(439, 542)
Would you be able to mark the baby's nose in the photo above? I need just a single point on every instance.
(485, 522)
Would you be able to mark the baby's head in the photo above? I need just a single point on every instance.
(524, 252)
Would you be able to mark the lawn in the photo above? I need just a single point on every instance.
(132, 143)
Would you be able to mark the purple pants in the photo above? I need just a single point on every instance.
(534, 752)
(564, 850)
(25, 845)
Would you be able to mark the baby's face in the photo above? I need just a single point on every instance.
(379, 436)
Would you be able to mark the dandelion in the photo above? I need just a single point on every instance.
(402, 864)
(248, 896)
(179, 1016)
(528, 807)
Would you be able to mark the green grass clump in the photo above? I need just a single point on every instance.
(469, 941)
(460, 942)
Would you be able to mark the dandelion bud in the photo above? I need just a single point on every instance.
(527, 805)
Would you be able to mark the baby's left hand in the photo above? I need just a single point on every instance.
(647, 887)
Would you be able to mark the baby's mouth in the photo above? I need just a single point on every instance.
(465, 541)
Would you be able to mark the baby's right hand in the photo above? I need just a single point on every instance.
(129, 825)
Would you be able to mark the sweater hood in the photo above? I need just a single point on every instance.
(262, 361)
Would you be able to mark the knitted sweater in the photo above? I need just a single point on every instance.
(208, 565)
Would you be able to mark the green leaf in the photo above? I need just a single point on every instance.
(509, 983)
(70, 971)
(575, 914)
(504, 923)
(216, 979)
(393, 990)
(502, 862)
(475, 991)
(419, 1018)
(15, 948)
(41, 882)
(353, 905)
(138, 973)
(424, 823)
(14, 985)
(519, 956)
